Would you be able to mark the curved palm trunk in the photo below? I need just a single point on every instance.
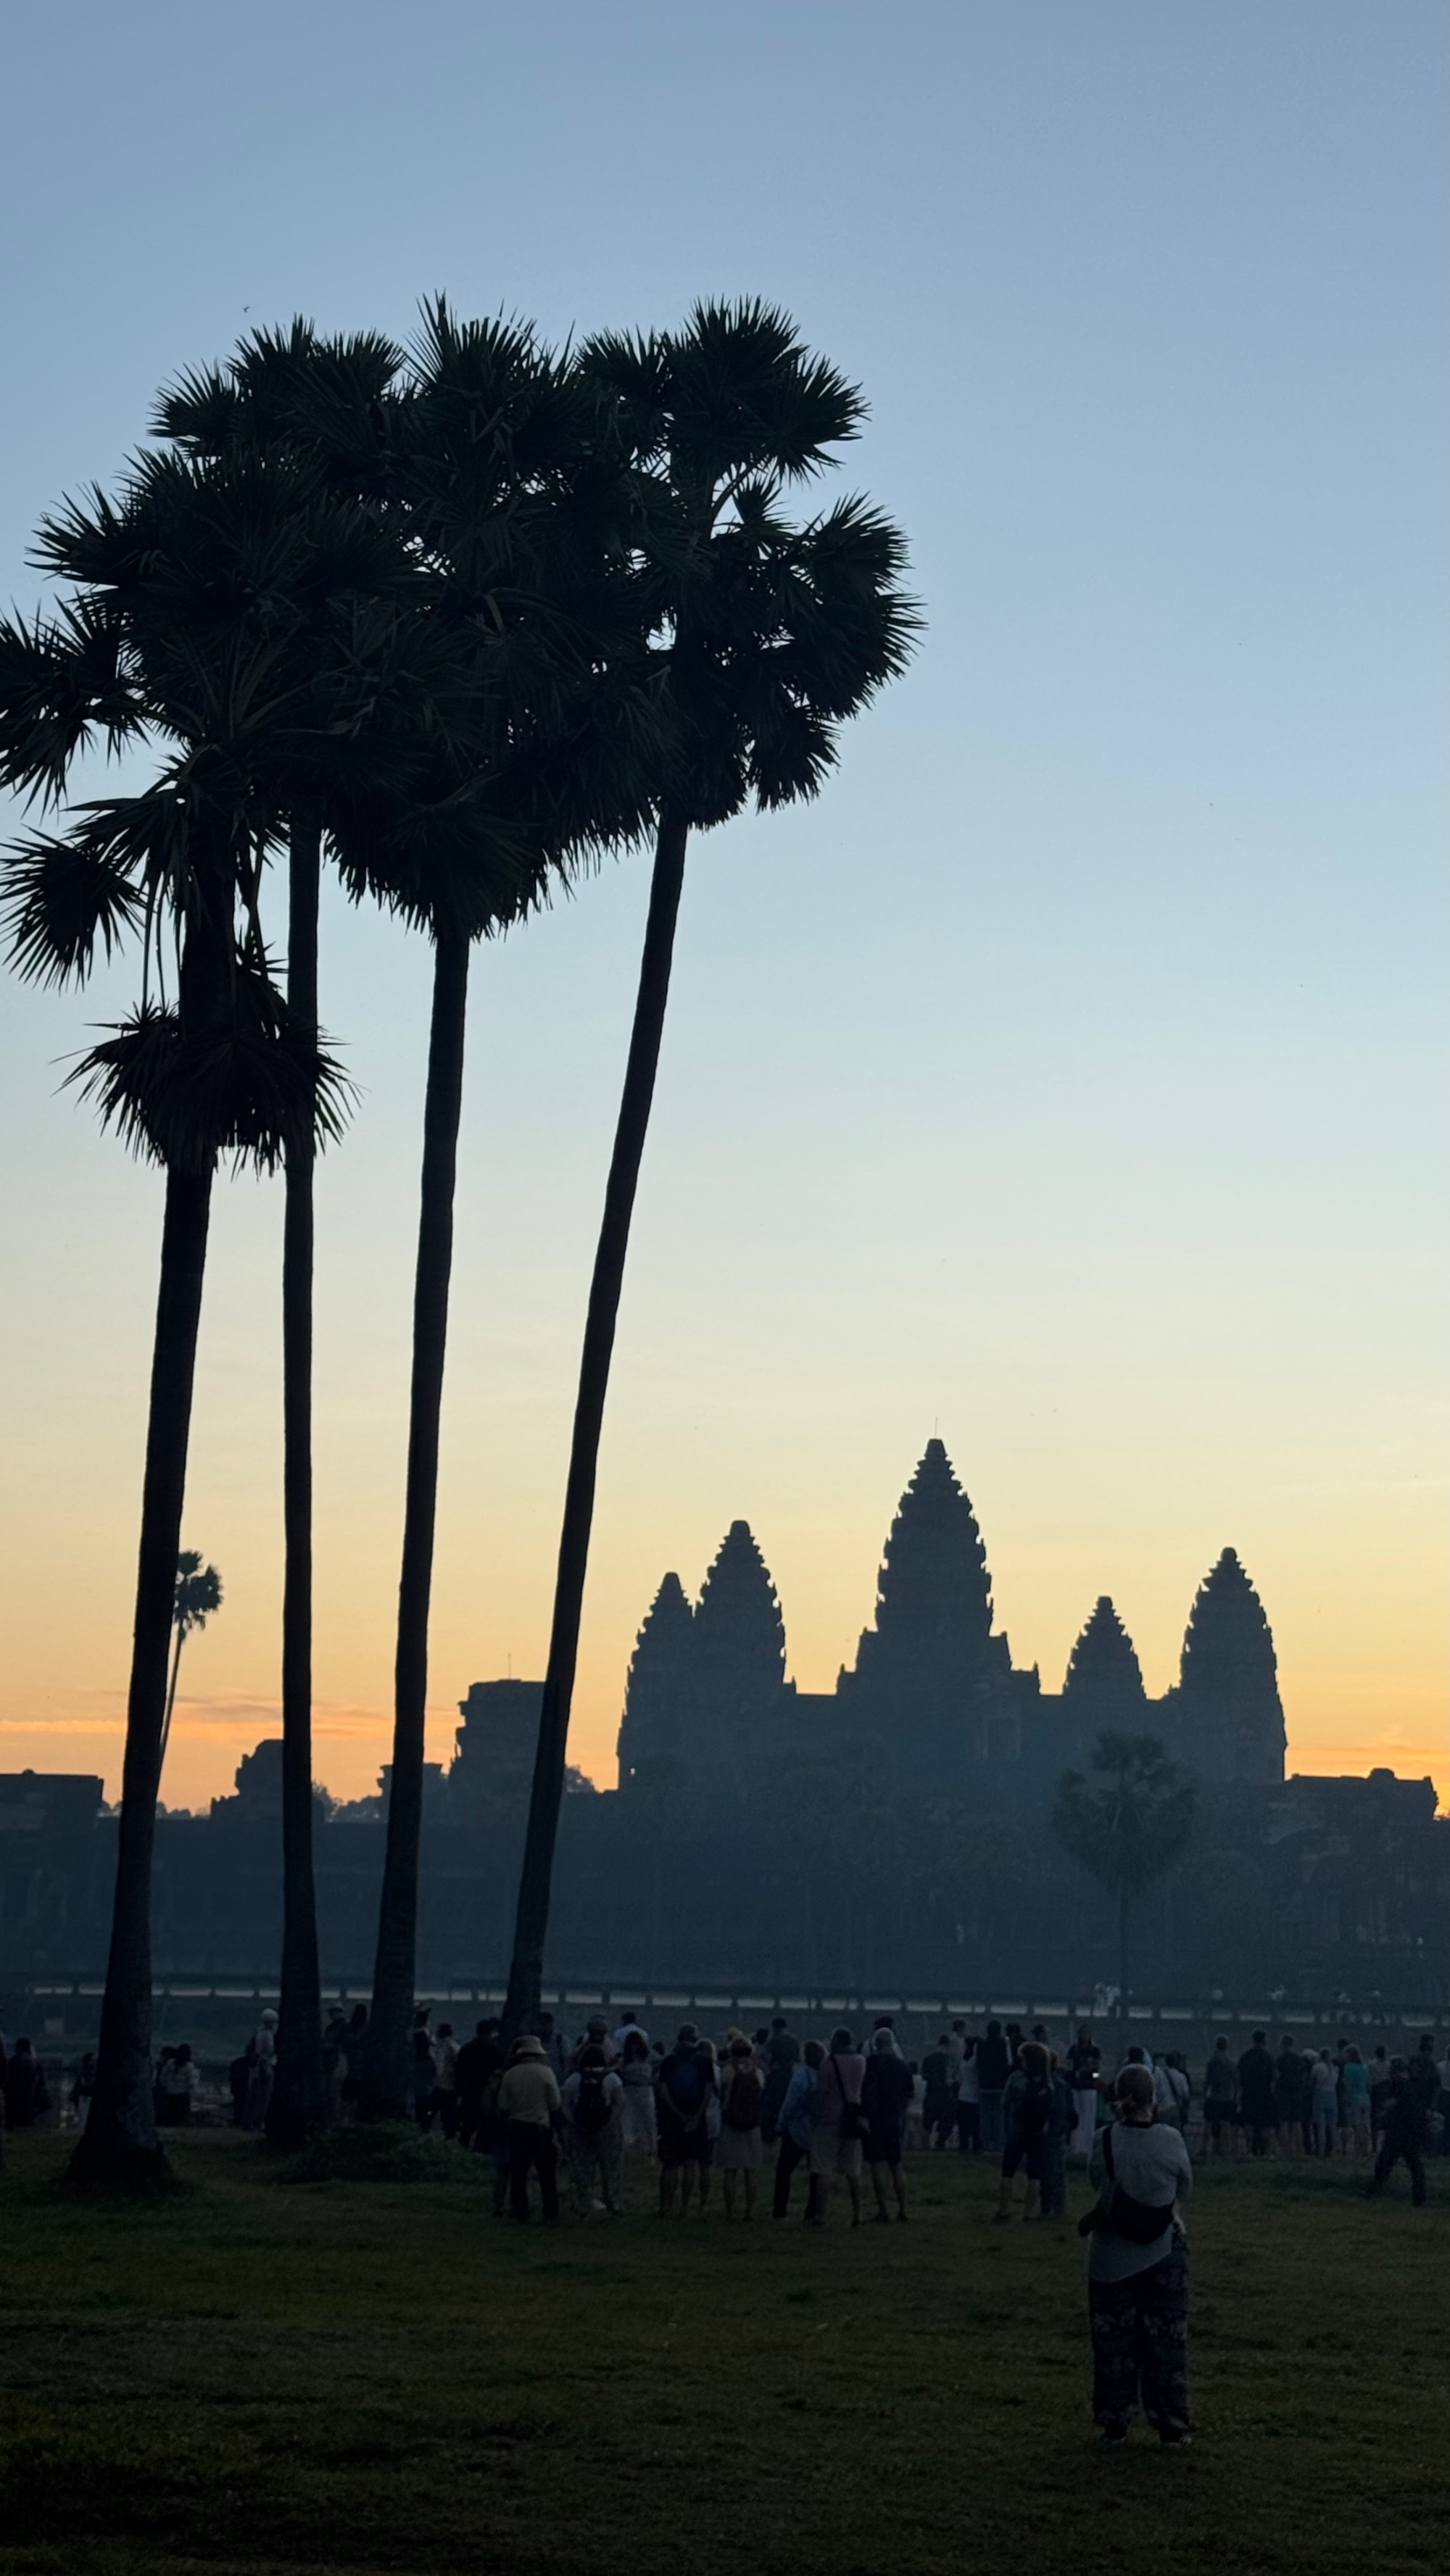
(119, 2140)
(170, 1704)
(532, 1921)
(386, 2067)
(298, 2103)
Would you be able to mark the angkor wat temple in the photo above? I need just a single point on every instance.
(933, 1692)
(893, 1833)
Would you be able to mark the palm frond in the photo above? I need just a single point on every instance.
(63, 897)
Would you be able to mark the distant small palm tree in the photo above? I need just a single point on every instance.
(198, 1594)
(1125, 1822)
(770, 634)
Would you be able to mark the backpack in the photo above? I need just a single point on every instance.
(1141, 2222)
(1034, 2108)
(592, 2106)
(742, 2103)
(682, 2081)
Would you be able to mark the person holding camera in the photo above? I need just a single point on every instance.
(1138, 2267)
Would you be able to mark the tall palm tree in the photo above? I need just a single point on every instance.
(510, 502)
(772, 632)
(323, 411)
(198, 1594)
(154, 646)
(1126, 1819)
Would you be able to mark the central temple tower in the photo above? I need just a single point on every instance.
(929, 1670)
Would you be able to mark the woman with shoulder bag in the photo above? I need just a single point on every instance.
(1138, 2268)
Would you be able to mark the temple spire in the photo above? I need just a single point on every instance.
(660, 1685)
(1104, 1677)
(925, 1670)
(737, 1655)
(1229, 1706)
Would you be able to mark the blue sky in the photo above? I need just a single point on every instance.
(1069, 1075)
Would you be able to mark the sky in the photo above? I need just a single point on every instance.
(1067, 1080)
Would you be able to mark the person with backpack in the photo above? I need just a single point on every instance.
(838, 2132)
(740, 2152)
(528, 2105)
(885, 2096)
(794, 2126)
(1028, 2106)
(682, 2101)
(1080, 2073)
(1138, 2268)
(994, 2065)
(592, 2101)
(1220, 2100)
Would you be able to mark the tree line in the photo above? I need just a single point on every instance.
(457, 620)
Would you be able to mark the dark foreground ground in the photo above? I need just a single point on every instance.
(339, 2376)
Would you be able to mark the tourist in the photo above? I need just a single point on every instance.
(681, 2108)
(837, 2133)
(1354, 2125)
(885, 2098)
(1220, 2099)
(794, 2125)
(1288, 2095)
(1080, 2072)
(177, 2078)
(334, 2062)
(529, 2103)
(356, 2047)
(740, 2152)
(969, 2102)
(915, 2133)
(27, 2098)
(82, 2092)
(480, 2063)
(1323, 2103)
(1027, 2108)
(422, 2072)
(994, 2065)
(709, 2057)
(1424, 2078)
(596, 2035)
(636, 2070)
(592, 2101)
(1060, 2129)
(1403, 2135)
(783, 2051)
(556, 2055)
(883, 2022)
(938, 2108)
(628, 2025)
(1138, 2268)
(1379, 2090)
(446, 2054)
(1171, 2090)
(262, 2071)
(1256, 2095)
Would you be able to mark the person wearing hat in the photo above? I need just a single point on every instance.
(528, 2105)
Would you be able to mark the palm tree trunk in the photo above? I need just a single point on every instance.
(298, 2103)
(118, 2143)
(532, 1919)
(170, 1705)
(385, 2073)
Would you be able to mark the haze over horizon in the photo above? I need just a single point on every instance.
(1065, 1079)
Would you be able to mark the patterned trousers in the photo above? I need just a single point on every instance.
(1140, 2345)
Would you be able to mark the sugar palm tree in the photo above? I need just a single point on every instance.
(1125, 1819)
(322, 413)
(772, 632)
(509, 501)
(198, 1594)
(151, 647)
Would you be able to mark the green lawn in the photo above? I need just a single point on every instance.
(364, 2375)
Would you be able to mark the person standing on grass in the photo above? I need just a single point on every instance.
(837, 2135)
(994, 2065)
(1220, 2098)
(27, 2098)
(1403, 2139)
(591, 2101)
(628, 2025)
(424, 2076)
(1138, 2268)
(1288, 2090)
(937, 2102)
(1256, 2095)
(636, 2071)
(445, 2080)
(555, 2053)
(681, 2107)
(741, 2151)
(528, 2105)
(794, 2127)
(1323, 2103)
(1061, 2125)
(1080, 2071)
(261, 2072)
(969, 2103)
(1354, 2126)
(885, 2100)
(177, 2079)
(783, 2057)
(1027, 2109)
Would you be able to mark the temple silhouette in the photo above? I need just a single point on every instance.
(933, 1690)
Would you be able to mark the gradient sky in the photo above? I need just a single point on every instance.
(1068, 1079)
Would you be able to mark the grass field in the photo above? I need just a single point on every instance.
(378, 2376)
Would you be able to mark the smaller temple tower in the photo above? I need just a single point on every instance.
(1104, 1684)
(737, 1656)
(659, 1691)
(1230, 1720)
